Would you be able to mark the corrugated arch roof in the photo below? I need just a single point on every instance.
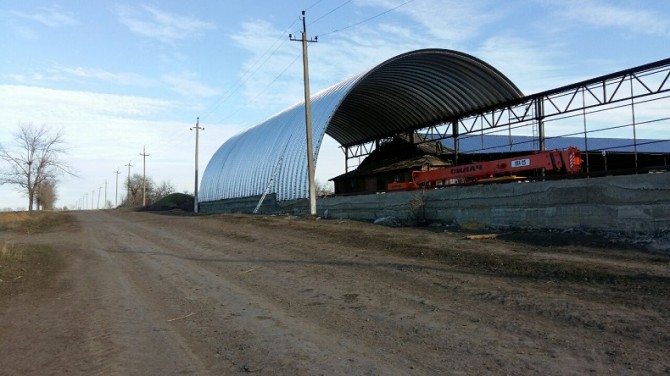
(410, 91)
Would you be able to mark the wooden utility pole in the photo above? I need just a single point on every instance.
(99, 189)
(128, 190)
(144, 175)
(116, 192)
(308, 115)
(195, 192)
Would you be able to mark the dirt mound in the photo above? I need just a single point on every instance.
(172, 202)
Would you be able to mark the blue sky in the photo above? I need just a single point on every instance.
(116, 76)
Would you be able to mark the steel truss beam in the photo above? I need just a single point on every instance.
(650, 80)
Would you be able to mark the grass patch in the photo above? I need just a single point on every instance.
(35, 222)
(26, 268)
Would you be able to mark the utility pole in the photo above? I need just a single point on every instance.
(85, 200)
(144, 176)
(308, 115)
(92, 198)
(116, 192)
(128, 193)
(99, 191)
(104, 204)
(195, 192)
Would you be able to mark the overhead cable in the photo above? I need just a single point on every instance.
(367, 19)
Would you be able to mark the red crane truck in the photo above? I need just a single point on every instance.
(567, 161)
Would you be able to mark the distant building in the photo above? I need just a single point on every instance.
(393, 160)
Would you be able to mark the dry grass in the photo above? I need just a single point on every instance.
(10, 253)
(26, 267)
(36, 222)
(9, 218)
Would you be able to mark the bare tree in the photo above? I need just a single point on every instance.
(46, 196)
(134, 189)
(36, 157)
(324, 189)
(154, 191)
(162, 190)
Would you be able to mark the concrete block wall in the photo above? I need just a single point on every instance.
(242, 205)
(630, 204)
(634, 203)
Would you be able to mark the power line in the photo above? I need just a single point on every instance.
(367, 19)
(313, 5)
(262, 60)
(265, 88)
(297, 56)
(331, 11)
(272, 50)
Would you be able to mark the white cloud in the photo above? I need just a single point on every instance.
(165, 27)
(41, 105)
(601, 14)
(122, 78)
(25, 32)
(52, 17)
(533, 73)
(187, 85)
(449, 22)
(35, 77)
(250, 30)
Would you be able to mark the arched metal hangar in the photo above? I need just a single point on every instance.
(411, 91)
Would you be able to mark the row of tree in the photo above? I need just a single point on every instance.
(33, 163)
(34, 160)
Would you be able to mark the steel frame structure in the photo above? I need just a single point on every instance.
(625, 88)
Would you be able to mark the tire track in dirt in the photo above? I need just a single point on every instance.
(529, 315)
(279, 295)
(377, 325)
(267, 337)
(123, 337)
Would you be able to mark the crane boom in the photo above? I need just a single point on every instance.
(568, 161)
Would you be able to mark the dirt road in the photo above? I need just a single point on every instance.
(148, 294)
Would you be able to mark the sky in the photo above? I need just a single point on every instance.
(120, 77)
